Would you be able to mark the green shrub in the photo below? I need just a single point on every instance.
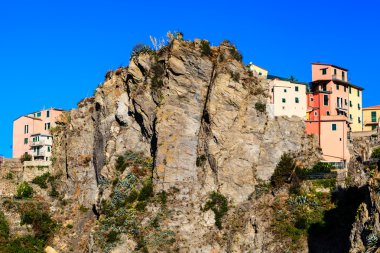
(25, 157)
(41, 222)
(26, 244)
(321, 167)
(54, 193)
(4, 228)
(112, 236)
(146, 191)
(375, 153)
(140, 49)
(163, 197)
(283, 171)
(219, 205)
(236, 54)
(235, 76)
(260, 107)
(120, 163)
(24, 190)
(205, 48)
(158, 71)
(9, 176)
(41, 181)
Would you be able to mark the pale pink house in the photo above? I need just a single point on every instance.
(31, 134)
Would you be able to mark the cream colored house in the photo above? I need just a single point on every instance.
(371, 116)
(258, 71)
(288, 98)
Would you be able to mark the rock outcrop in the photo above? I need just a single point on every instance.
(196, 114)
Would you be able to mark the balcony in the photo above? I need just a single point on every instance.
(371, 123)
(41, 143)
(339, 78)
(40, 153)
(341, 107)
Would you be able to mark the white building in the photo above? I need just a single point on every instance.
(41, 146)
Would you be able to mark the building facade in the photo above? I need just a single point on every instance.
(334, 109)
(288, 98)
(31, 134)
(258, 71)
(371, 117)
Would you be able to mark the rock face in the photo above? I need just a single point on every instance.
(198, 117)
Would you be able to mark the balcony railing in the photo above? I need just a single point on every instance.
(40, 153)
(41, 143)
(341, 107)
(336, 77)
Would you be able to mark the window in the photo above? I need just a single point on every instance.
(350, 103)
(334, 71)
(343, 76)
(328, 113)
(345, 101)
(260, 74)
(311, 99)
(48, 148)
(285, 90)
(351, 116)
(37, 114)
(373, 127)
(345, 88)
(296, 88)
(297, 100)
(349, 90)
(47, 114)
(337, 86)
(324, 87)
(47, 126)
(284, 100)
(359, 106)
(315, 113)
(359, 121)
(325, 100)
(373, 117)
(333, 127)
(358, 93)
(26, 129)
(324, 71)
(25, 140)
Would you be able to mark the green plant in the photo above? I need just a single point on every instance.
(260, 107)
(26, 244)
(375, 153)
(43, 225)
(219, 205)
(54, 193)
(140, 49)
(147, 191)
(4, 228)
(163, 197)
(25, 157)
(69, 226)
(112, 236)
(120, 163)
(9, 176)
(24, 190)
(41, 181)
(83, 209)
(235, 76)
(235, 53)
(284, 171)
(201, 160)
(205, 48)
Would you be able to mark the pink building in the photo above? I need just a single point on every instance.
(31, 134)
(334, 109)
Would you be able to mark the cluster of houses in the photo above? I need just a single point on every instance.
(330, 105)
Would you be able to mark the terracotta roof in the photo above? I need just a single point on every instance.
(328, 64)
(337, 81)
(377, 107)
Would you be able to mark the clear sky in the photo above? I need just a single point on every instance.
(54, 53)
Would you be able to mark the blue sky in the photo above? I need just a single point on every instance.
(54, 53)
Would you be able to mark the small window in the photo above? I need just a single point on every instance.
(296, 88)
(349, 89)
(315, 113)
(334, 71)
(324, 71)
(328, 113)
(285, 90)
(359, 120)
(373, 116)
(351, 116)
(333, 127)
(311, 99)
(37, 115)
(343, 76)
(358, 93)
(47, 114)
(345, 101)
(26, 129)
(48, 148)
(260, 74)
(284, 100)
(25, 140)
(337, 86)
(345, 88)
(297, 100)
(47, 126)
(325, 100)
(350, 103)
(358, 106)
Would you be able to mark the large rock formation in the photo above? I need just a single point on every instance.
(197, 114)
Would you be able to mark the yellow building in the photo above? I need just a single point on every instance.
(258, 71)
(355, 110)
(371, 116)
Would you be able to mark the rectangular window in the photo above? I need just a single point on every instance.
(26, 129)
(311, 99)
(334, 71)
(315, 113)
(359, 121)
(350, 103)
(327, 113)
(285, 90)
(284, 100)
(297, 100)
(337, 86)
(324, 71)
(373, 127)
(373, 117)
(325, 100)
(48, 149)
(358, 106)
(358, 93)
(345, 101)
(47, 114)
(345, 88)
(333, 127)
(351, 116)
(25, 140)
(37, 114)
(349, 90)
(343, 76)
(47, 126)
(296, 88)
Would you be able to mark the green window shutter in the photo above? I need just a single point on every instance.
(373, 117)
(358, 93)
(25, 140)
(337, 86)
(349, 90)
(297, 100)
(284, 100)
(47, 114)
(333, 127)
(350, 103)
(296, 88)
(324, 71)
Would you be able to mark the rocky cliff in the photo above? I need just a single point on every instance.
(190, 122)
